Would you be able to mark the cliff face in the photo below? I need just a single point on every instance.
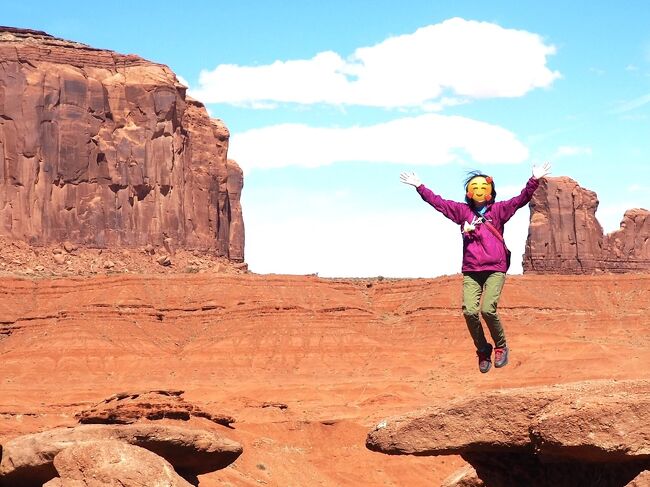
(565, 237)
(103, 149)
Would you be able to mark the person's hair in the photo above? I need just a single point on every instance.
(476, 174)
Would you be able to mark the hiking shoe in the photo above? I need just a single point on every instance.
(500, 357)
(485, 359)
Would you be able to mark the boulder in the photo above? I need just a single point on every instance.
(27, 460)
(112, 463)
(563, 435)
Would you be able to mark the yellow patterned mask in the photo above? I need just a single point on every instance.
(479, 189)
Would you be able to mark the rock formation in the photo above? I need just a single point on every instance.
(102, 149)
(129, 407)
(573, 434)
(28, 460)
(111, 463)
(306, 365)
(565, 237)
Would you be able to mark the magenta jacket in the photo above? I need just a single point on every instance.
(482, 250)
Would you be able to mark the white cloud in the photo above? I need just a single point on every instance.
(633, 104)
(471, 59)
(569, 151)
(515, 234)
(634, 117)
(429, 139)
(438, 106)
(346, 232)
(507, 192)
(418, 242)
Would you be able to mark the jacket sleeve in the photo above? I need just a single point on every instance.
(507, 208)
(451, 209)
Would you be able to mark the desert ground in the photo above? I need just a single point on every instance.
(306, 366)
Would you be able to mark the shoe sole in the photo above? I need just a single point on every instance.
(486, 370)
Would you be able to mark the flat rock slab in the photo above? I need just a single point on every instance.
(588, 421)
(609, 427)
(492, 421)
(28, 459)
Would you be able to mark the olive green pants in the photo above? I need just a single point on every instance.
(486, 285)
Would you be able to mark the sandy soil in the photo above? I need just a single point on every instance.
(306, 365)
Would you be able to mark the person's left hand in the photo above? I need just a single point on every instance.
(542, 171)
(410, 178)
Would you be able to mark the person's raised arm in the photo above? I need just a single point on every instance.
(509, 207)
(451, 209)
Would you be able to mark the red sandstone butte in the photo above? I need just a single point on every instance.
(103, 149)
(565, 237)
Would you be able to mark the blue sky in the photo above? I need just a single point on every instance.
(327, 102)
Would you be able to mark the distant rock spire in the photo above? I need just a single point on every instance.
(565, 237)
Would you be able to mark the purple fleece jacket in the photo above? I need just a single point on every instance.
(482, 250)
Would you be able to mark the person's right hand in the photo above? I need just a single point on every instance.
(540, 172)
(410, 178)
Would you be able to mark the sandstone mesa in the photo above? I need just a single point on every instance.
(102, 149)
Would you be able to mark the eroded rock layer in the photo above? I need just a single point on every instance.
(565, 237)
(103, 149)
(308, 365)
(129, 407)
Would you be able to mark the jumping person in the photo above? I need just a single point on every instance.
(486, 258)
